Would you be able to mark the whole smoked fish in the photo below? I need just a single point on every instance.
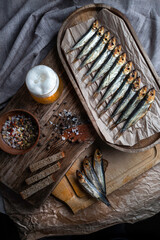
(98, 168)
(116, 82)
(107, 64)
(120, 91)
(139, 112)
(111, 74)
(91, 189)
(102, 57)
(96, 51)
(90, 44)
(134, 87)
(91, 175)
(133, 103)
(82, 41)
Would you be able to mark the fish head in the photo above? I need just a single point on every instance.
(136, 84)
(127, 68)
(100, 31)
(86, 163)
(117, 51)
(111, 43)
(132, 76)
(106, 37)
(95, 25)
(150, 96)
(98, 155)
(80, 176)
(142, 92)
(122, 59)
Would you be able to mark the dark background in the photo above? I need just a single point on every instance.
(146, 229)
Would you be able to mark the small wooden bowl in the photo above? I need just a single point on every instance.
(4, 146)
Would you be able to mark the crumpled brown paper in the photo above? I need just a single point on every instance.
(135, 201)
(145, 127)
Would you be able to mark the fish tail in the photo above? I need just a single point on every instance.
(89, 84)
(75, 60)
(105, 200)
(79, 68)
(70, 50)
(104, 110)
(84, 77)
(112, 208)
(100, 103)
(118, 135)
(113, 126)
(101, 114)
(95, 94)
(109, 119)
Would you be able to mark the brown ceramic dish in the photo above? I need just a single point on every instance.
(4, 146)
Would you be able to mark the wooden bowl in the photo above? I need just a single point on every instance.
(4, 146)
(84, 14)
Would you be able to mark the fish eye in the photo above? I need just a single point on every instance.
(122, 58)
(128, 68)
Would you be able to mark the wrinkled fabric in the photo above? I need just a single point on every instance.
(28, 31)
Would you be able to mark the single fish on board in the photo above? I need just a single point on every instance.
(82, 41)
(107, 64)
(90, 44)
(102, 57)
(117, 81)
(120, 91)
(134, 87)
(96, 51)
(139, 112)
(111, 74)
(91, 189)
(133, 103)
(98, 168)
(91, 175)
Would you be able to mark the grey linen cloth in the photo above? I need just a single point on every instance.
(28, 30)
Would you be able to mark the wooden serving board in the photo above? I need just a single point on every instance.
(122, 168)
(15, 169)
(83, 14)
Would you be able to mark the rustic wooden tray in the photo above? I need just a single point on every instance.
(83, 14)
(15, 169)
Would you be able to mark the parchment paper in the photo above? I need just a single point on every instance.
(145, 127)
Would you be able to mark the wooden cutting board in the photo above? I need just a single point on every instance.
(15, 169)
(122, 168)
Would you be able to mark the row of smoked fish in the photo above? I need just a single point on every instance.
(92, 177)
(117, 77)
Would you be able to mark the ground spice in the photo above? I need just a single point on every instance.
(66, 119)
(67, 127)
(19, 132)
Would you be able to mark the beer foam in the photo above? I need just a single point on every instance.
(41, 80)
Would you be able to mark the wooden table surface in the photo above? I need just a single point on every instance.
(123, 167)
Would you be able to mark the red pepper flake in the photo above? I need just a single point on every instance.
(19, 131)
